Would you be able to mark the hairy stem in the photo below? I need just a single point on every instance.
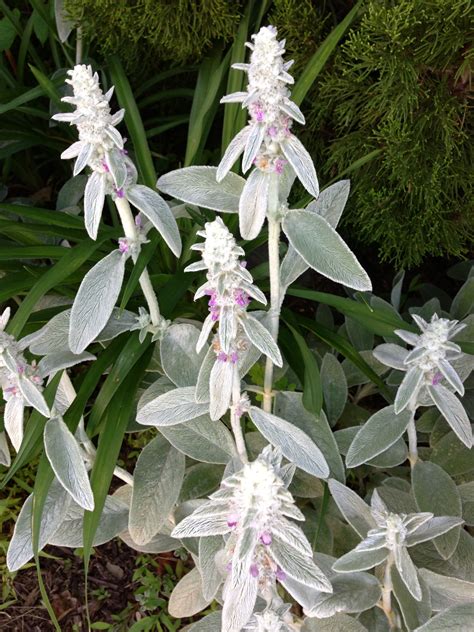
(412, 439)
(235, 418)
(79, 45)
(128, 223)
(387, 593)
(274, 269)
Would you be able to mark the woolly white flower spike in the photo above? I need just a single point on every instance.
(252, 508)
(272, 619)
(101, 148)
(267, 140)
(230, 288)
(20, 383)
(390, 539)
(427, 366)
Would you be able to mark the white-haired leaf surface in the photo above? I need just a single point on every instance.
(353, 508)
(436, 492)
(173, 407)
(198, 185)
(157, 481)
(295, 445)
(377, 434)
(67, 462)
(187, 598)
(202, 439)
(259, 336)
(94, 198)
(178, 355)
(55, 509)
(158, 212)
(324, 250)
(95, 300)
(253, 204)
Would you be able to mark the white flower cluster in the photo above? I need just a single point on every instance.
(267, 141)
(100, 145)
(252, 508)
(433, 350)
(20, 383)
(430, 375)
(391, 537)
(272, 619)
(229, 286)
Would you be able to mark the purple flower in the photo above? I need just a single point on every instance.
(123, 245)
(120, 193)
(222, 357)
(254, 570)
(280, 575)
(266, 538)
(436, 379)
(232, 520)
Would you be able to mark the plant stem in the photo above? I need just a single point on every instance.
(274, 269)
(128, 223)
(387, 593)
(412, 439)
(79, 45)
(235, 418)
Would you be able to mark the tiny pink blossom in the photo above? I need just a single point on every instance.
(266, 538)
(234, 357)
(272, 131)
(222, 357)
(106, 166)
(279, 165)
(280, 574)
(232, 520)
(123, 245)
(254, 570)
(120, 193)
(436, 379)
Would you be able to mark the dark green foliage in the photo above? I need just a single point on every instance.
(400, 83)
(147, 32)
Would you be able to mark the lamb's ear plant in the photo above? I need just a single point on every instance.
(241, 471)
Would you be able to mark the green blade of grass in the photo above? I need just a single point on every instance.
(320, 57)
(133, 122)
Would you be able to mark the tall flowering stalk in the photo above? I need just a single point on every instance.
(268, 144)
(229, 286)
(101, 149)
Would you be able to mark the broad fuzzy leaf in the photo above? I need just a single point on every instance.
(436, 492)
(295, 445)
(157, 481)
(453, 411)
(95, 300)
(158, 212)
(173, 407)
(353, 508)
(198, 185)
(261, 338)
(324, 250)
(377, 434)
(178, 354)
(65, 457)
(94, 198)
(253, 204)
